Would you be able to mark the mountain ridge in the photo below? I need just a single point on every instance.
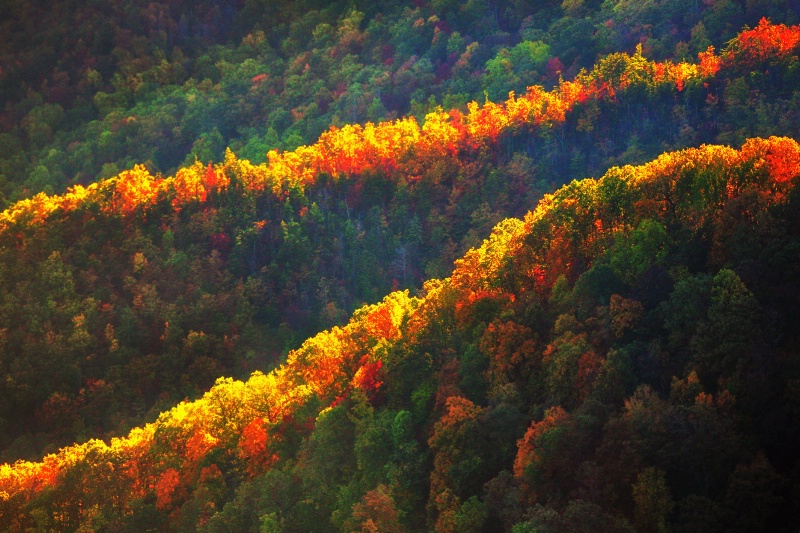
(633, 219)
(354, 149)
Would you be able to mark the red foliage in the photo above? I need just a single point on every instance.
(165, 487)
(388, 146)
(369, 378)
(221, 242)
(359, 148)
(764, 42)
(254, 439)
(211, 179)
(380, 324)
(199, 444)
(253, 447)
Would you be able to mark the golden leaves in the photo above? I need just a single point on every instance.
(384, 147)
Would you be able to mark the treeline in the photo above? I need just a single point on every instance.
(90, 89)
(623, 359)
(121, 298)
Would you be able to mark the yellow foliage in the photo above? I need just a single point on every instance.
(325, 364)
(354, 149)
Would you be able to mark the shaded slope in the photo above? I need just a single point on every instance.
(123, 297)
(639, 325)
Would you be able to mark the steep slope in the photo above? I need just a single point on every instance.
(123, 297)
(92, 88)
(640, 326)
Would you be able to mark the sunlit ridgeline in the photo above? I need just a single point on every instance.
(388, 146)
(246, 428)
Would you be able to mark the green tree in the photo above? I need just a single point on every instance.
(726, 339)
(653, 501)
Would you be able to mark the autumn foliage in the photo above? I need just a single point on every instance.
(170, 457)
(424, 401)
(386, 147)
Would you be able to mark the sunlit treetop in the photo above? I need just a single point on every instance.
(252, 419)
(568, 229)
(388, 147)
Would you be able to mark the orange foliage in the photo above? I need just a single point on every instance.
(253, 447)
(231, 414)
(132, 189)
(486, 122)
(254, 438)
(234, 413)
(448, 442)
(199, 444)
(386, 146)
(188, 185)
(447, 504)
(380, 323)
(165, 488)
(688, 185)
(527, 453)
(376, 512)
(508, 345)
(443, 134)
(709, 63)
(479, 266)
(459, 411)
(778, 157)
(764, 42)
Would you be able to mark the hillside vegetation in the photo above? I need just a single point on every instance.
(621, 359)
(203, 202)
(89, 89)
(121, 298)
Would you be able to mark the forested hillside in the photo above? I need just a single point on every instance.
(623, 359)
(204, 200)
(123, 297)
(89, 89)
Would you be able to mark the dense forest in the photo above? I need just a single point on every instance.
(192, 190)
(622, 359)
(89, 89)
